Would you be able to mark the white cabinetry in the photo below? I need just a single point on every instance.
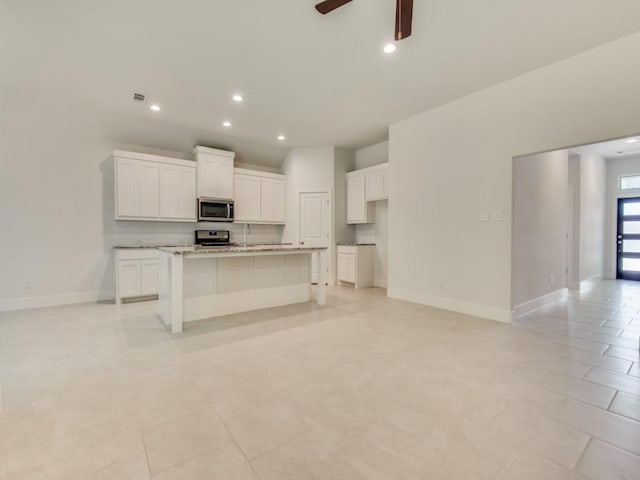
(215, 173)
(358, 210)
(137, 188)
(272, 200)
(355, 265)
(363, 188)
(177, 192)
(259, 197)
(137, 272)
(154, 188)
(377, 186)
(247, 198)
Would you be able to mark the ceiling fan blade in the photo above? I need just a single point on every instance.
(330, 5)
(404, 14)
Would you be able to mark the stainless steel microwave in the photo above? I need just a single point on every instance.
(214, 210)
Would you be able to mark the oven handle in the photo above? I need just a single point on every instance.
(228, 211)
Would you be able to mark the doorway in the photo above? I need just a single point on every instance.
(315, 227)
(628, 239)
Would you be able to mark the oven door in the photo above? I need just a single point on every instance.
(214, 211)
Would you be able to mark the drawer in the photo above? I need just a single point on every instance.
(138, 254)
(347, 249)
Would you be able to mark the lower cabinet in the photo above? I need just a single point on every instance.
(355, 265)
(136, 273)
(347, 267)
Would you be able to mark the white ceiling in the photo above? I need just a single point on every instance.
(320, 80)
(613, 149)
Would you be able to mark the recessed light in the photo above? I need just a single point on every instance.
(389, 48)
(631, 140)
(226, 124)
(237, 97)
(281, 137)
(155, 108)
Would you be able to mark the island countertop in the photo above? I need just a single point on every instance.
(237, 249)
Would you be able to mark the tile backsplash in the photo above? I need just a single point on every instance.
(134, 233)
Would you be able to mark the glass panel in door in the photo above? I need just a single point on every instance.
(628, 239)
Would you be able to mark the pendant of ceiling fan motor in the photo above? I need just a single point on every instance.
(404, 14)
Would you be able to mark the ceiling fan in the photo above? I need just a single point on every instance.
(404, 14)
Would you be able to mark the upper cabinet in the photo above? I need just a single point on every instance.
(247, 198)
(259, 197)
(272, 198)
(358, 210)
(215, 173)
(155, 188)
(177, 192)
(377, 182)
(363, 188)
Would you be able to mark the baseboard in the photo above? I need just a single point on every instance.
(7, 305)
(475, 309)
(594, 277)
(536, 303)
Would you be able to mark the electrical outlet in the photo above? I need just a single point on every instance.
(441, 285)
(484, 216)
(497, 216)
(551, 280)
(27, 285)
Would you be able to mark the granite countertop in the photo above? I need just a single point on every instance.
(353, 244)
(193, 250)
(133, 247)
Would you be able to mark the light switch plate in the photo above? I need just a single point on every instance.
(497, 216)
(484, 216)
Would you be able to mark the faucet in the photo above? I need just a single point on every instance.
(245, 234)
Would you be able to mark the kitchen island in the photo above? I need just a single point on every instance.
(203, 282)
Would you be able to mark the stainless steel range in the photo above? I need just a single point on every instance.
(212, 238)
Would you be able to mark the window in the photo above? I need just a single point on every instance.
(630, 182)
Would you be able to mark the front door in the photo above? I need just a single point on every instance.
(628, 239)
(315, 226)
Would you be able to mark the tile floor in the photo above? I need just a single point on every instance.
(364, 388)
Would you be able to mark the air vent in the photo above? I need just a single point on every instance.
(139, 97)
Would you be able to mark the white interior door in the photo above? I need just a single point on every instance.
(315, 226)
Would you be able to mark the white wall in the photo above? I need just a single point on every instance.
(372, 155)
(307, 170)
(377, 232)
(539, 261)
(56, 195)
(593, 201)
(344, 161)
(450, 162)
(615, 168)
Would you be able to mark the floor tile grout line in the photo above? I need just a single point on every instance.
(268, 451)
(244, 455)
(584, 377)
(586, 447)
(188, 459)
(595, 436)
